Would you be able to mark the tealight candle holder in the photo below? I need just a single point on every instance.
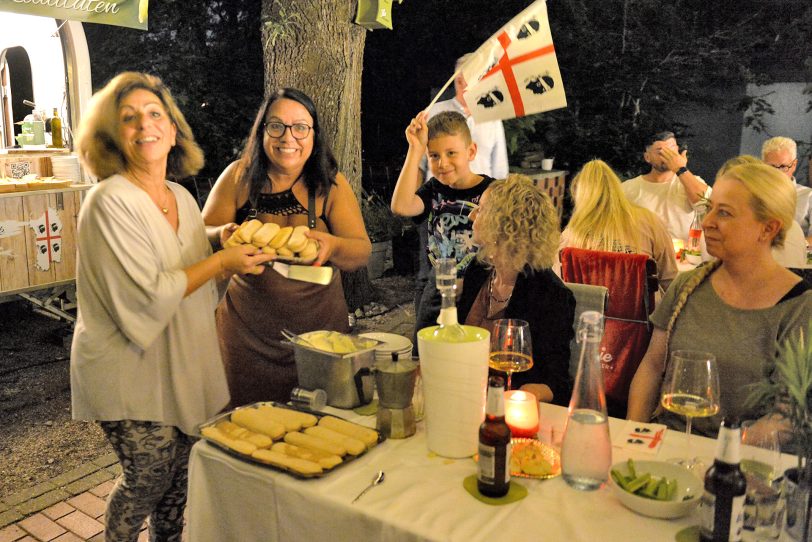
(522, 413)
(679, 245)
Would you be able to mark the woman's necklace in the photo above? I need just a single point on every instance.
(163, 206)
(490, 291)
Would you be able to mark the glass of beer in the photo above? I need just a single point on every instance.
(691, 390)
(511, 348)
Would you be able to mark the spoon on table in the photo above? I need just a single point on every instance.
(377, 480)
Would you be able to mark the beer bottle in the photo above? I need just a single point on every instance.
(493, 475)
(721, 508)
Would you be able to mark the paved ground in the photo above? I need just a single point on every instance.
(70, 507)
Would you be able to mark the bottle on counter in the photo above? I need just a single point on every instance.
(56, 130)
(693, 251)
(586, 450)
(721, 509)
(493, 469)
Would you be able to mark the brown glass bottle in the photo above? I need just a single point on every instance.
(493, 473)
(722, 506)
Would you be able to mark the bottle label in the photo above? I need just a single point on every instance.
(488, 456)
(727, 445)
(496, 403)
(709, 524)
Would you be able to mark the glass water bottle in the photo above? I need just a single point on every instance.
(586, 450)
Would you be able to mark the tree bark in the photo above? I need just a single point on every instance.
(313, 46)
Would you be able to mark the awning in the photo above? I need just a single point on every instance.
(129, 13)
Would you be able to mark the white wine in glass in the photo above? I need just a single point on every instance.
(511, 347)
(691, 390)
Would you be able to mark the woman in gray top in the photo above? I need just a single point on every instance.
(741, 306)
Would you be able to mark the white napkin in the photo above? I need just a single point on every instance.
(640, 437)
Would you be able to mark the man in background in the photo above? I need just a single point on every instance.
(669, 189)
(782, 154)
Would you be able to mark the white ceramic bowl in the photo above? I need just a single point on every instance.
(688, 485)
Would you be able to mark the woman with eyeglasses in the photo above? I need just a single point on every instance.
(287, 175)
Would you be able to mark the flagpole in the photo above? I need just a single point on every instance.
(447, 83)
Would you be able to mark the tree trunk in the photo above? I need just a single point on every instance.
(313, 45)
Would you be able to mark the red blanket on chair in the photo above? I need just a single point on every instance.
(624, 342)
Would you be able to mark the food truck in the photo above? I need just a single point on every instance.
(44, 74)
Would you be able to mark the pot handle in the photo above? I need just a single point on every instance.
(359, 384)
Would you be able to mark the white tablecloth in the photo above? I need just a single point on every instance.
(422, 498)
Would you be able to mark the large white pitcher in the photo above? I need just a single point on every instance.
(455, 378)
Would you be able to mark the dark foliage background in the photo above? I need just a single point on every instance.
(627, 66)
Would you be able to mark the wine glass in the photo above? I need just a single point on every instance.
(761, 465)
(691, 390)
(511, 349)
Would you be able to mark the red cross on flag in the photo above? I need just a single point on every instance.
(515, 73)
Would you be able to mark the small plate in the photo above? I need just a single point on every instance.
(548, 453)
(689, 490)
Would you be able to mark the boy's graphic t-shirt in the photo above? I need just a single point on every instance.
(450, 228)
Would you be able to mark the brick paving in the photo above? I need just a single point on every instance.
(70, 507)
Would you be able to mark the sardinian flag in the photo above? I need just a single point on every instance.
(515, 73)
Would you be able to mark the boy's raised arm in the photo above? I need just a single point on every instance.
(405, 201)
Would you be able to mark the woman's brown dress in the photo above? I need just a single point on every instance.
(259, 363)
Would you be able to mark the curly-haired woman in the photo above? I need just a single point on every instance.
(603, 219)
(516, 228)
(744, 292)
(144, 359)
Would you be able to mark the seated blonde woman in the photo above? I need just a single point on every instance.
(740, 307)
(516, 229)
(793, 252)
(603, 219)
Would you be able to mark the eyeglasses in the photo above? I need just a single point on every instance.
(785, 167)
(277, 129)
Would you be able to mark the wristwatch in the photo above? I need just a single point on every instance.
(681, 170)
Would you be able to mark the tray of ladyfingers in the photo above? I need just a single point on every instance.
(288, 244)
(302, 443)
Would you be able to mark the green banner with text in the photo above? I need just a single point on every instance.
(129, 13)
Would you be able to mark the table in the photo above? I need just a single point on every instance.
(421, 499)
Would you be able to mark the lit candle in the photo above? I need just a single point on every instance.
(522, 413)
(679, 244)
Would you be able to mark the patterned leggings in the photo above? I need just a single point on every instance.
(154, 459)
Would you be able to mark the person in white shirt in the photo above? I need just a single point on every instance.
(145, 362)
(669, 189)
(782, 154)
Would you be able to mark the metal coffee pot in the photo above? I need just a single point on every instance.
(395, 380)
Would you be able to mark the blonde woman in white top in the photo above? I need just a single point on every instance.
(145, 361)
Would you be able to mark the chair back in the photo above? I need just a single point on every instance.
(631, 280)
(587, 298)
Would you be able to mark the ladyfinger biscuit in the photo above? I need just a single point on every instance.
(281, 238)
(302, 466)
(365, 435)
(232, 241)
(353, 445)
(315, 443)
(264, 235)
(310, 250)
(237, 431)
(242, 446)
(284, 252)
(247, 229)
(252, 419)
(298, 240)
(269, 250)
(327, 461)
(289, 417)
